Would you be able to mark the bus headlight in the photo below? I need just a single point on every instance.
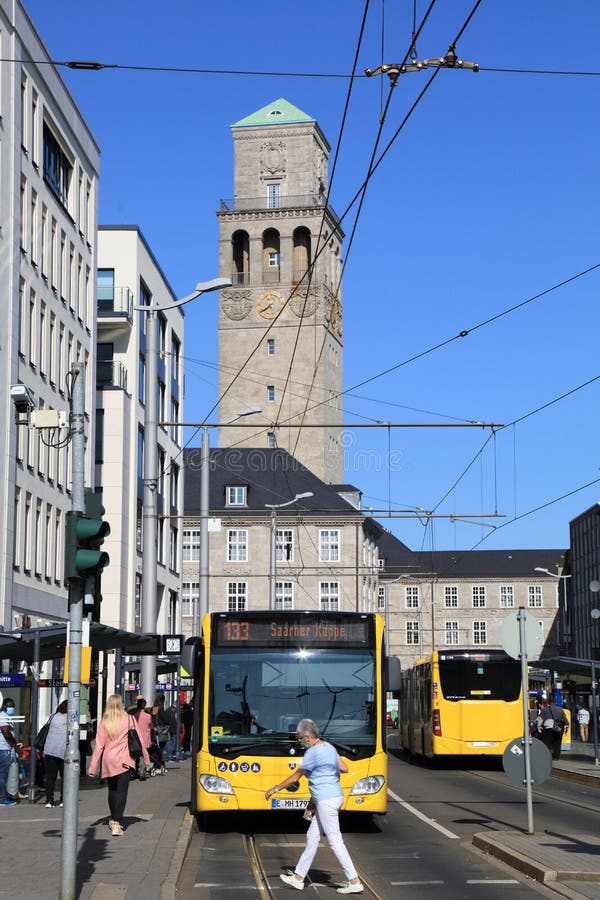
(213, 784)
(369, 785)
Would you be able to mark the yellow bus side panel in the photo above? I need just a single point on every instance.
(249, 787)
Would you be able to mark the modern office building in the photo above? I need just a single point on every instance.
(130, 276)
(49, 163)
(280, 324)
(583, 585)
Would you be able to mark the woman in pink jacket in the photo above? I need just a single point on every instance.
(112, 747)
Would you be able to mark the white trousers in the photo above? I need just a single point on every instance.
(326, 821)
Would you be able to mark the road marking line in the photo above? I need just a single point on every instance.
(225, 887)
(492, 881)
(406, 883)
(422, 816)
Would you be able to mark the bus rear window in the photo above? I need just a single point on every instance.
(470, 680)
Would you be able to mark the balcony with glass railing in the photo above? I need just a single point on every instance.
(114, 302)
(111, 373)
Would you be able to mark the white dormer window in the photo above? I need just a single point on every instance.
(275, 112)
(235, 495)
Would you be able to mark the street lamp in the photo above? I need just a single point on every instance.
(273, 542)
(200, 604)
(149, 523)
(566, 631)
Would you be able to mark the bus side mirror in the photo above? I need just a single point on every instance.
(189, 655)
(394, 672)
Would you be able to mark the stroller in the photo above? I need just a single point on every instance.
(157, 762)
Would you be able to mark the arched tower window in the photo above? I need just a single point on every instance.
(302, 257)
(271, 264)
(240, 257)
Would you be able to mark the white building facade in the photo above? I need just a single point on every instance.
(129, 276)
(49, 164)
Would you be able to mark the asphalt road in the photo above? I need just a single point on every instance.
(422, 847)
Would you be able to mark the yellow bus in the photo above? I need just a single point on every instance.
(256, 675)
(461, 703)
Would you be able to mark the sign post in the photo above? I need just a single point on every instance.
(518, 632)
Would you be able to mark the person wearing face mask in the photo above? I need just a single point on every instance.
(8, 743)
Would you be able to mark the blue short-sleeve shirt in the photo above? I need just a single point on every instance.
(320, 762)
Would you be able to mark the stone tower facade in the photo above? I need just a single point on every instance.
(281, 245)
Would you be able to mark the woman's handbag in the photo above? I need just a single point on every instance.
(42, 735)
(133, 742)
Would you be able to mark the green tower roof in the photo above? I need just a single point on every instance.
(280, 112)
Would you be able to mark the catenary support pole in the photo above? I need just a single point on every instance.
(200, 608)
(72, 760)
(526, 736)
(149, 558)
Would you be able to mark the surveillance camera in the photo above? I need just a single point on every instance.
(22, 398)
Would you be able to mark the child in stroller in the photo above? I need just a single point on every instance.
(157, 762)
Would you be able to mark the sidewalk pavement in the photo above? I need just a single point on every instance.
(567, 863)
(143, 864)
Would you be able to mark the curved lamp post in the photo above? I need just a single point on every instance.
(149, 523)
(200, 605)
(566, 631)
(273, 542)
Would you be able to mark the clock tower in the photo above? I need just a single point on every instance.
(280, 243)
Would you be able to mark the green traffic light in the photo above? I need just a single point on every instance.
(83, 536)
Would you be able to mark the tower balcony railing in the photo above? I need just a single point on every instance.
(295, 201)
(114, 301)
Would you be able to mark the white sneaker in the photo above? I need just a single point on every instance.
(293, 882)
(350, 888)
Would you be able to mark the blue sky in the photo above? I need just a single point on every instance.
(488, 196)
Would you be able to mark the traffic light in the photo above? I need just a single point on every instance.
(84, 534)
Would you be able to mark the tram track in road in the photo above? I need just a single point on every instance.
(259, 873)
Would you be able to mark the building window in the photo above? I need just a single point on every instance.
(329, 545)
(160, 541)
(236, 596)
(273, 196)
(57, 168)
(105, 290)
(270, 346)
(137, 611)
(451, 596)
(478, 595)
(237, 545)
(139, 534)
(381, 598)
(99, 447)
(235, 495)
(271, 393)
(329, 596)
(507, 597)
(141, 378)
(284, 545)
(174, 486)
(411, 596)
(284, 595)
(190, 594)
(412, 632)
(191, 544)
(173, 550)
(534, 595)
(273, 259)
(451, 631)
(479, 632)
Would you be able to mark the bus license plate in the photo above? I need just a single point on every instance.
(289, 803)
(483, 744)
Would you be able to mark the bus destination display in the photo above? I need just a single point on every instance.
(292, 631)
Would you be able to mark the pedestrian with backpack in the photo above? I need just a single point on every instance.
(553, 723)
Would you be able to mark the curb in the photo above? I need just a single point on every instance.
(514, 859)
(577, 777)
(169, 885)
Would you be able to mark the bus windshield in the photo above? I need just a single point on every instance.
(258, 696)
(472, 680)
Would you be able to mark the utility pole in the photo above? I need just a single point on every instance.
(72, 761)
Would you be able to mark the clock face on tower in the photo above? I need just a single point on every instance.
(269, 304)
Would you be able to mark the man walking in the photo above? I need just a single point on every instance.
(552, 723)
(583, 717)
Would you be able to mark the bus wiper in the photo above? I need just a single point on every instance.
(342, 748)
(231, 747)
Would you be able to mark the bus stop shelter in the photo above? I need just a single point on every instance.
(586, 669)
